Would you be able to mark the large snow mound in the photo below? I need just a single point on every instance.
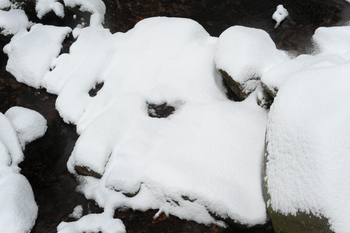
(308, 146)
(203, 159)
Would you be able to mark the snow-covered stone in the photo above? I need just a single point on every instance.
(308, 163)
(243, 55)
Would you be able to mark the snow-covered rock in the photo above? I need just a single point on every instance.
(18, 210)
(203, 160)
(308, 163)
(243, 55)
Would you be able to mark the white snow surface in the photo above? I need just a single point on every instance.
(246, 54)
(43, 7)
(307, 135)
(333, 40)
(279, 15)
(31, 53)
(5, 4)
(18, 210)
(93, 223)
(13, 21)
(29, 124)
(207, 156)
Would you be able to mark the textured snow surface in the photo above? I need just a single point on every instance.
(206, 158)
(182, 159)
(247, 53)
(13, 21)
(28, 124)
(18, 210)
(31, 53)
(308, 138)
(42, 7)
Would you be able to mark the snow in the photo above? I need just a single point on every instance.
(333, 40)
(18, 208)
(188, 148)
(246, 54)
(5, 4)
(77, 212)
(42, 42)
(28, 124)
(307, 142)
(279, 15)
(308, 162)
(13, 21)
(93, 223)
(206, 159)
(96, 7)
(42, 7)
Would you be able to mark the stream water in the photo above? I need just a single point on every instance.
(45, 158)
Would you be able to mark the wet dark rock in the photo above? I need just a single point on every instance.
(235, 90)
(301, 222)
(93, 92)
(160, 110)
(24, 4)
(85, 171)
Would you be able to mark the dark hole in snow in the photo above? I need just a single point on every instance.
(93, 92)
(160, 110)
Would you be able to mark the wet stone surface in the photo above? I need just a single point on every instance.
(45, 158)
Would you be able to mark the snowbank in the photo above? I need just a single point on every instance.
(18, 210)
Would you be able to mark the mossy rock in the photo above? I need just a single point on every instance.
(301, 223)
(235, 90)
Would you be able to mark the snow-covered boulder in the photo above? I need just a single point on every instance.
(307, 153)
(243, 55)
(18, 210)
(202, 162)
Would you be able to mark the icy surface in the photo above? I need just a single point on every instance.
(247, 53)
(279, 15)
(13, 21)
(31, 53)
(42, 7)
(18, 210)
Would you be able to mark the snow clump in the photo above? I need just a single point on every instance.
(18, 210)
(279, 15)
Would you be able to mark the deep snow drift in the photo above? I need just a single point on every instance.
(206, 158)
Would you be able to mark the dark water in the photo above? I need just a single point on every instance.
(45, 158)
